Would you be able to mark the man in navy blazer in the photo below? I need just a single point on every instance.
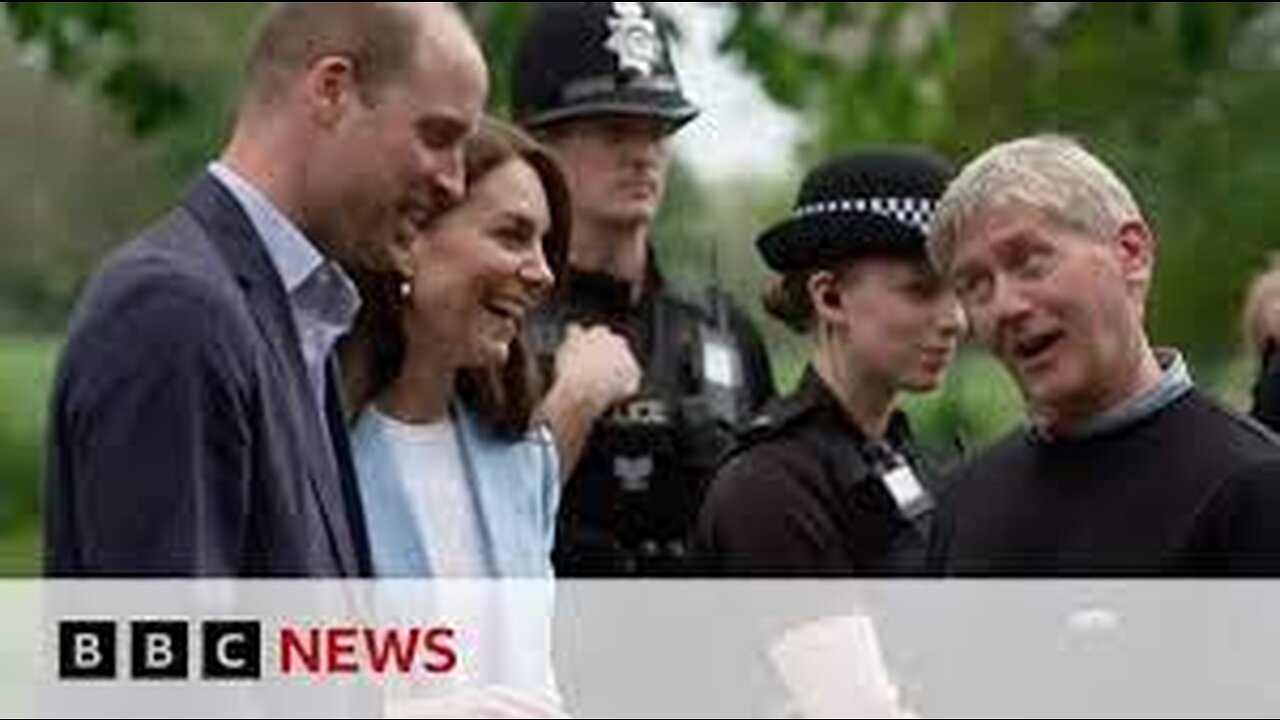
(196, 426)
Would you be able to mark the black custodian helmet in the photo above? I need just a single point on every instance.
(578, 59)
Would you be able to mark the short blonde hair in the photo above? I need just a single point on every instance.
(1051, 173)
(1263, 291)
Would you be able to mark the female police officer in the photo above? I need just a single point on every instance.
(826, 481)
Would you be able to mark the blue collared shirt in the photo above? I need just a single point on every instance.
(323, 299)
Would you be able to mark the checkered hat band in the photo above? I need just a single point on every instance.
(916, 212)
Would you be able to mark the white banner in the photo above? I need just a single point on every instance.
(639, 649)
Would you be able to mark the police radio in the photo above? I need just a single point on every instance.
(640, 441)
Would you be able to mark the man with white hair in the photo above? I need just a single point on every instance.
(1126, 469)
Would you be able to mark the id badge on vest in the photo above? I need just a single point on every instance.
(722, 375)
(908, 493)
(720, 363)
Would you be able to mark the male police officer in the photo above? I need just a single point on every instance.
(595, 81)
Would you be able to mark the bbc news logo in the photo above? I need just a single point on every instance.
(161, 650)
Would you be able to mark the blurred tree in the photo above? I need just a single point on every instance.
(1179, 96)
(171, 69)
(78, 178)
(498, 25)
(859, 72)
(1175, 95)
(99, 39)
(72, 178)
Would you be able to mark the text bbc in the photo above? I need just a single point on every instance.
(161, 650)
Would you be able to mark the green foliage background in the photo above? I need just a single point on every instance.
(110, 106)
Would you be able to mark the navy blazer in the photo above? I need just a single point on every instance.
(185, 440)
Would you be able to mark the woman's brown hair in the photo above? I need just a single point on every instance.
(505, 397)
(786, 298)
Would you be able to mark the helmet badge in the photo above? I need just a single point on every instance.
(634, 39)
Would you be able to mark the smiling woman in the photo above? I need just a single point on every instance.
(449, 457)
(458, 299)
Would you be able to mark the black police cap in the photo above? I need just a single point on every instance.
(579, 59)
(875, 202)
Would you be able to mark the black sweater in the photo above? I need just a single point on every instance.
(1192, 491)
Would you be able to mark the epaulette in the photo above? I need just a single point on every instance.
(776, 418)
(773, 421)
